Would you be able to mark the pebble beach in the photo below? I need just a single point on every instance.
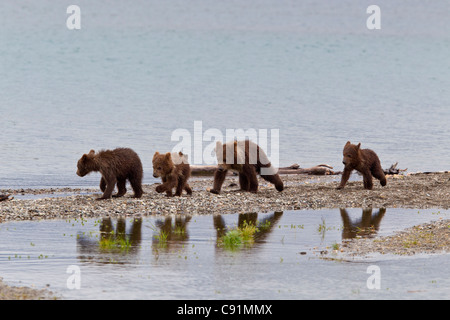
(301, 192)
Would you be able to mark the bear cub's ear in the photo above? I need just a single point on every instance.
(358, 146)
(155, 155)
(89, 155)
(184, 158)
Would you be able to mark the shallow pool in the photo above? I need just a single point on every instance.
(185, 257)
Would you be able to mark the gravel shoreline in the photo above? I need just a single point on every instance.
(429, 238)
(24, 293)
(418, 191)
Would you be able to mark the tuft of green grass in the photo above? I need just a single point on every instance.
(162, 238)
(335, 246)
(119, 244)
(239, 237)
(232, 240)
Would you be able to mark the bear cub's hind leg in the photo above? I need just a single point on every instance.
(121, 188)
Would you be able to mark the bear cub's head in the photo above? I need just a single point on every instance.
(163, 164)
(351, 154)
(86, 164)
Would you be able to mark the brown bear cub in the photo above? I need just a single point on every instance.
(116, 166)
(248, 160)
(365, 161)
(174, 171)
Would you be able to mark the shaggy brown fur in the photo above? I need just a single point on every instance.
(116, 166)
(248, 159)
(174, 171)
(365, 161)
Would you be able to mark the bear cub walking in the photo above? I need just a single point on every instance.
(248, 160)
(174, 171)
(365, 161)
(116, 166)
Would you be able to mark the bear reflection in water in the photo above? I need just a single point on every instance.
(265, 226)
(110, 240)
(170, 234)
(367, 226)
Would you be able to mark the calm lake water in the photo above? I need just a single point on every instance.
(284, 262)
(135, 73)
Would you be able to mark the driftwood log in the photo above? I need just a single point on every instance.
(4, 197)
(394, 170)
(321, 169)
